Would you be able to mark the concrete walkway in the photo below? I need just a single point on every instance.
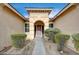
(51, 48)
(39, 48)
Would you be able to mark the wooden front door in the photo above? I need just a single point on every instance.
(39, 28)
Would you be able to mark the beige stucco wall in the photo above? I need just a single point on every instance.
(9, 23)
(37, 16)
(68, 22)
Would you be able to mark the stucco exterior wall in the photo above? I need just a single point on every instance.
(68, 22)
(9, 23)
(37, 16)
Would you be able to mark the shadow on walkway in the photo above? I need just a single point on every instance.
(39, 48)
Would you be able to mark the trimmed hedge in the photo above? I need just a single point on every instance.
(47, 31)
(56, 31)
(51, 33)
(18, 40)
(58, 37)
(61, 39)
(76, 36)
(76, 40)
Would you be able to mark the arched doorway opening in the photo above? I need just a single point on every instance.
(38, 26)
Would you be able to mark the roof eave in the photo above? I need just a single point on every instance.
(62, 11)
(6, 4)
(38, 9)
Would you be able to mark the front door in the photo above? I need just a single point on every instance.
(39, 28)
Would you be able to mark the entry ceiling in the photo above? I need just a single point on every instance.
(56, 7)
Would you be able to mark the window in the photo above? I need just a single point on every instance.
(26, 27)
(51, 25)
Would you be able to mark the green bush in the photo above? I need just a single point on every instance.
(61, 39)
(56, 31)
(60, 36)
(76, 36)
(18, 40)
(76, 40)
(47, 32)
(51, 33)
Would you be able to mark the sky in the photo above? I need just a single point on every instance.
(56, 7)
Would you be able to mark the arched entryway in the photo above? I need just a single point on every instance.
(38, 26)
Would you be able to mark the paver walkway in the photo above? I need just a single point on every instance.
(39, 48)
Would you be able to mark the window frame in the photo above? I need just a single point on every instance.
(26, 27)
(50, 25)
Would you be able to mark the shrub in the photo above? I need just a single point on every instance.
(61, 39)
(58, 37)
(47, 32)
(76, 40)
(51, 33)
(56, 30)
(75, 36)
(18, 40)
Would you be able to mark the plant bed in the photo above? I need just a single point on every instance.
(18, 40)
(76, 40)
(61, 39)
